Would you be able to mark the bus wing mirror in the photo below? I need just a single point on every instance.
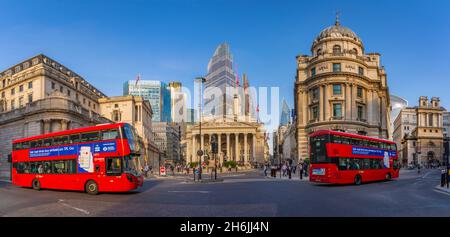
(9, 158)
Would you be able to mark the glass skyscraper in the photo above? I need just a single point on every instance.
(220, 75)
(157, 92)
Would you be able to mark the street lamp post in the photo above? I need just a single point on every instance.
(200, 152)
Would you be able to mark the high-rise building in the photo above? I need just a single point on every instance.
(178, 103)
(167, 139)
(220, 77)
(156, 92)
(340, 87)
(285, 114)
(397, 104)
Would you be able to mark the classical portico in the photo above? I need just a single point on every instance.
(242, 142)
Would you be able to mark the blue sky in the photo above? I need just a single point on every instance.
(109, 42)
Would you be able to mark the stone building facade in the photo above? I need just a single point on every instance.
(137, 112)
(340, 87)
(424, 144)
(167, 138)
(39, 96)
(243, 142)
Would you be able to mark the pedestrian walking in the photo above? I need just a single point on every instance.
(294, 168)
(289, 171)
(284, 168)
(265, 170)
(305, 169)
(300, 170)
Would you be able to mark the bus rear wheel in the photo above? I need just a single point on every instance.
(91, 187)
(36, 184)
(358, 179)
(388, 176)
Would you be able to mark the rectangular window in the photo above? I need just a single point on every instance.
(68, 92)
(61, 140)
(3, 94)
(21, 88)
(13, 104)
(21, 102)
(313, 71)
(74, 138)
(110, 134)
(53, 85)
(36, 143)
(48, 142)
(113, 166)
(359, 92)
(337, 110)
(315, 112)
(360, 112)
(61, 89)
(91, 136)
(30, 98)
(4, 83)
(30, 85)
(337, 89)
(336, 67)
(315, 93)
(13, 91)
(361, 71)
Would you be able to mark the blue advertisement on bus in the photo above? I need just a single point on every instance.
(98, 147)
(371, 152)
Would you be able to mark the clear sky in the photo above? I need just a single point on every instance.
(109, 42)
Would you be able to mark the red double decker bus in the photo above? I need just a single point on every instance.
(344, 158)
(103, 158)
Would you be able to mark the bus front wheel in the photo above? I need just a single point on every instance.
(36, 184)
(358, 179)
(91, 187)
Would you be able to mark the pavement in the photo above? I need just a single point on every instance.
(247, 194)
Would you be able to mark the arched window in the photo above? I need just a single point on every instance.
(336, 49)
(354, 51)
(319, 51)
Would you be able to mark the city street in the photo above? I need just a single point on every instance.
(241, 194)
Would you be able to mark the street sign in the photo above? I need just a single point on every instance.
(162, 170)
(204, 164)
(199, 153)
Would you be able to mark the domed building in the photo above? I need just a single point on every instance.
(340, 87)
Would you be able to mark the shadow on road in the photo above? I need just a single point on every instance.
(344, 185)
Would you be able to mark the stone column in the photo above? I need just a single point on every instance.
(321, 100)
(219, 148)
(326, 103)
(64, 124)
(369, 102)
(245, 149)
(348, 102)
(228, 147)
(305, 107)
(47, 124)
(236, 144)
(253, 147)
(194, 152)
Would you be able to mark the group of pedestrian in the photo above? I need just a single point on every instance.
(287, 169)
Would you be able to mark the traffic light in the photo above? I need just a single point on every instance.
(446, 148)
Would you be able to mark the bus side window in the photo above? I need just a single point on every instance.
(91, 136)
(61, 140)
(110, 134)
(48, 142)
(25, 145)
(74, 138)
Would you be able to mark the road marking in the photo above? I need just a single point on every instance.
(193, 191)
(75, 208)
